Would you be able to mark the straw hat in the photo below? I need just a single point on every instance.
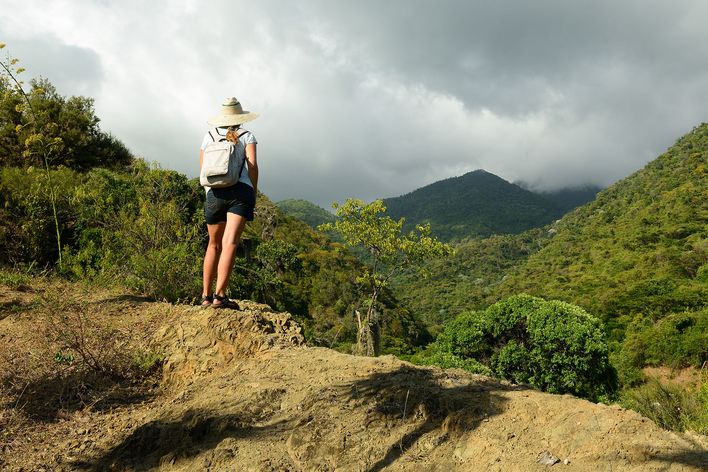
(232, 114)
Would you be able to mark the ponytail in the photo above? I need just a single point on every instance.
(232, 134)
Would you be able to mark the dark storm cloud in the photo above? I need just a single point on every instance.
(373, 99)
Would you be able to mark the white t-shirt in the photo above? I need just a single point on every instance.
(215, 134)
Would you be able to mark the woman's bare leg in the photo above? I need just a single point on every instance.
(232, 234)
(211, 257)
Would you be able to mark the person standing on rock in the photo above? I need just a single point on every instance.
(228, 208)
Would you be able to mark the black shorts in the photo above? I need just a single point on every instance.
(239, 199)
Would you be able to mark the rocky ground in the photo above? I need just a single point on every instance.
(240, 391)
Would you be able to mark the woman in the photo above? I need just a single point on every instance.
(227, 209)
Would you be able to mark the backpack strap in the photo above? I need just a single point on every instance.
(240, 133)
(212, 135)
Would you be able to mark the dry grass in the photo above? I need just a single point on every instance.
(65, 353)
(671, 406)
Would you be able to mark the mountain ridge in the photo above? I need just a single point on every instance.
(477, 203)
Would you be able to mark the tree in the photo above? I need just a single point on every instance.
(40, 127)
(551, 345)
(32, 119)
(363, 225)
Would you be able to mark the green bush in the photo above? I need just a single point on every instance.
(143, 229)
(551, 345)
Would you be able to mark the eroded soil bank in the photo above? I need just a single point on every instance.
(240, 391)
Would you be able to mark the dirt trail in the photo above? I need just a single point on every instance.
(241, 392)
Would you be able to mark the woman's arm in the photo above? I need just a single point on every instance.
(201, 160)
(252, 165)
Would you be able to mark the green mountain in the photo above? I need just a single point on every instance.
(306, 211)
(475, 204)
(637, 257)
(639, 247)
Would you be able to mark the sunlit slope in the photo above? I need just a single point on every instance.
(639, 247)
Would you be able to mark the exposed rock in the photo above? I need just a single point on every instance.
(200, 341)
(546, 458)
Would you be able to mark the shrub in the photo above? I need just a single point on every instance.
(163, 252)
(551, 345)
(142, 229)
(15, 279)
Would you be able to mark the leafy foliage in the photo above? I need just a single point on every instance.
(28, 227)
(41, 127)
(551, 345)
(72, 121)
(677, 340)
(467, 280)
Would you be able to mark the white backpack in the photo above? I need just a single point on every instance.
(223, 162)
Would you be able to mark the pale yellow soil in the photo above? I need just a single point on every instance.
(240, 392)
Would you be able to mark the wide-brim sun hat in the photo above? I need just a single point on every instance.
(232, 114)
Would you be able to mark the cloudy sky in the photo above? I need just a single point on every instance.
(376, 98)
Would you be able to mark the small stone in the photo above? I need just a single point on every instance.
(566, 461)
(546, 458)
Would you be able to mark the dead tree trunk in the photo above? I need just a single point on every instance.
(369, 333)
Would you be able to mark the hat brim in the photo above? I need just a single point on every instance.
(232, 120)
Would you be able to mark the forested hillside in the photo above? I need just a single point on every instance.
(468, 279)
(475, 204)
(640, 247)
(636, 257)
(306, 211)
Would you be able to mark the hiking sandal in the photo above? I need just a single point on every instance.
(207, 300)
(224, 302)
